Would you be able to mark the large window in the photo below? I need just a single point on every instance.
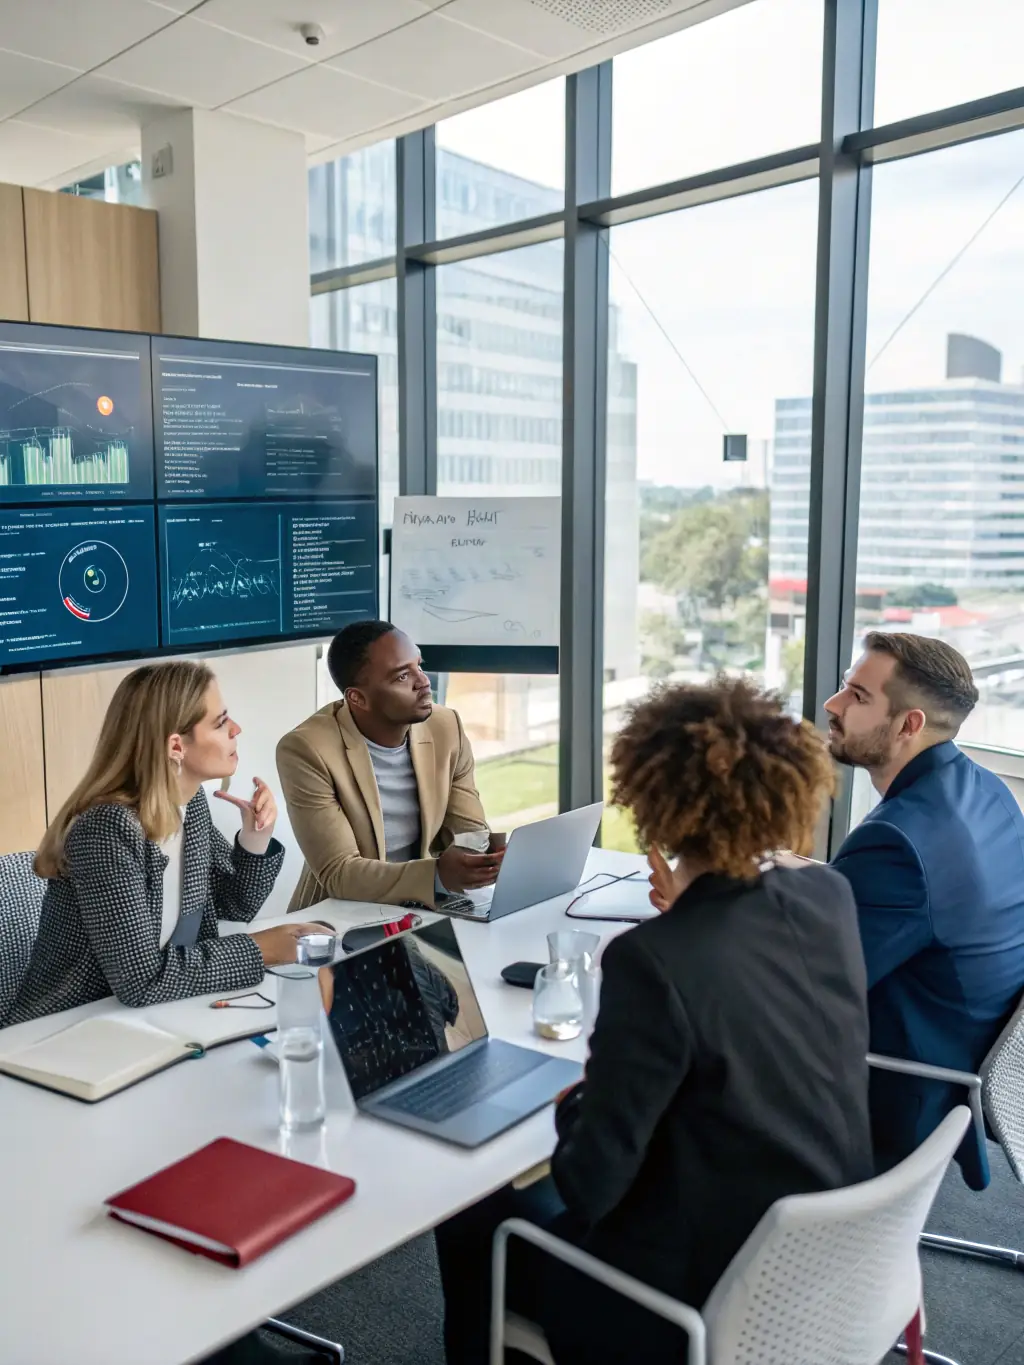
(941, 535)
(352, 204)
(499, 414)
(730, 89)
(712, 327)
(502, 162)
(936, 53)
(365, 318)
(706, 560)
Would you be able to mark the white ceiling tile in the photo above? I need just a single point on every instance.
(330, 103)
(199, 64)
(32, 156)
(23, 81)
(346, 23)
(436, 59)
(517, 21)
(315, 143)
(96, 107)
(79, 33)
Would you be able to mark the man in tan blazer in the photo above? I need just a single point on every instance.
(378, 784)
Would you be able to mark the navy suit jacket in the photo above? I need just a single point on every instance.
(937, 870)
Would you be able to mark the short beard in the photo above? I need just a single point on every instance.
(873, 750)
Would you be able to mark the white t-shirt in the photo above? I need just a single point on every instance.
(174, 877)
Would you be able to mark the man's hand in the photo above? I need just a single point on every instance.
(663, 892)
(461, 870)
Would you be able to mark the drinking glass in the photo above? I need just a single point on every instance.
(300, 1048)
(578, 951)
(569, 945)
(557, 1003)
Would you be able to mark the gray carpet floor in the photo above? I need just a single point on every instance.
(390, 1312)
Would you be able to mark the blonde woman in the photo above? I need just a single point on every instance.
(138, 875)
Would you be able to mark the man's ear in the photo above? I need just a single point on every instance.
(913, 723)
(356, 699)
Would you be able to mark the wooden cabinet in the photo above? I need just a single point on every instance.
(78, 263)
(22, 773)
(91, 264)
(13, 276)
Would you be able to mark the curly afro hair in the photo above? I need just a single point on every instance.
(720, 774)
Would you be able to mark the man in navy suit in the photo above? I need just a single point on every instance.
(937, 870)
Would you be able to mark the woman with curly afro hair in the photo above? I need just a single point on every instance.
(728, 1064)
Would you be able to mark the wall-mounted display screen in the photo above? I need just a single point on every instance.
(76, 582)
(236, 571)
(158, 492)
(236, 421)
(76, 420)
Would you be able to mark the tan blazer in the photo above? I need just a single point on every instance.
(334, 807)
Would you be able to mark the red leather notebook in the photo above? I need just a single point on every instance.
(231, 1202)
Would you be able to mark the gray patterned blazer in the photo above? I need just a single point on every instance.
(99, 933)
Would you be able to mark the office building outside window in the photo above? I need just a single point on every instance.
(709, 336)
(941, 524)
(499, 412)
(492, 169)
(352, 208)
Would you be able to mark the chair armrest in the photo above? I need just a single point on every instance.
(926, 1072)
(684, 1317)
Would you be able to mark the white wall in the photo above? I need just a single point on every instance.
(234, 236)
(268, 692)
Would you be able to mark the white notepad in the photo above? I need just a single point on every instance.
(97, 1057)
(106, 1053)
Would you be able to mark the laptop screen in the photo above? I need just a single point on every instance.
(401, 1004)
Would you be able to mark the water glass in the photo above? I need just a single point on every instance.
(569, 945)
(300, 1048)
(578, 951)
(557, 1003)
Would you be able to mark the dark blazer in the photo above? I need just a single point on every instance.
(100, 928)
(727, 1069)
(937, 870)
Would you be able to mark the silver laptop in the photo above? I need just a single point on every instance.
(412, 1039)
(542, 860)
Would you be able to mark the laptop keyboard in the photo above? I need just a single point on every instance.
(454, 1088)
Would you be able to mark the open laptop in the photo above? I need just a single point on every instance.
(542, 860)
(413, 1042)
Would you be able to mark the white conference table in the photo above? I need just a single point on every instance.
(75, 1285)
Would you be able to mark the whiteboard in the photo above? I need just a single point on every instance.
(476, 571)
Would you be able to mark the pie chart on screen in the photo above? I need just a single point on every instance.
(93, 581)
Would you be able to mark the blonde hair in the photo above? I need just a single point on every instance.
(130, 766)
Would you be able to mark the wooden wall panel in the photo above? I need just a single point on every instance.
(22, 789)
(91, 264)
(74, 704)
(13, 276)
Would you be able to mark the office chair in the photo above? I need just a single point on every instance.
(21, 901)
(996, 1094)
(823, 1277)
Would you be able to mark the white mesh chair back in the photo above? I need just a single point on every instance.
(833, 1278)
(21, 900)
(1002, 1091)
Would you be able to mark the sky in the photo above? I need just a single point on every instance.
(733, 283)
